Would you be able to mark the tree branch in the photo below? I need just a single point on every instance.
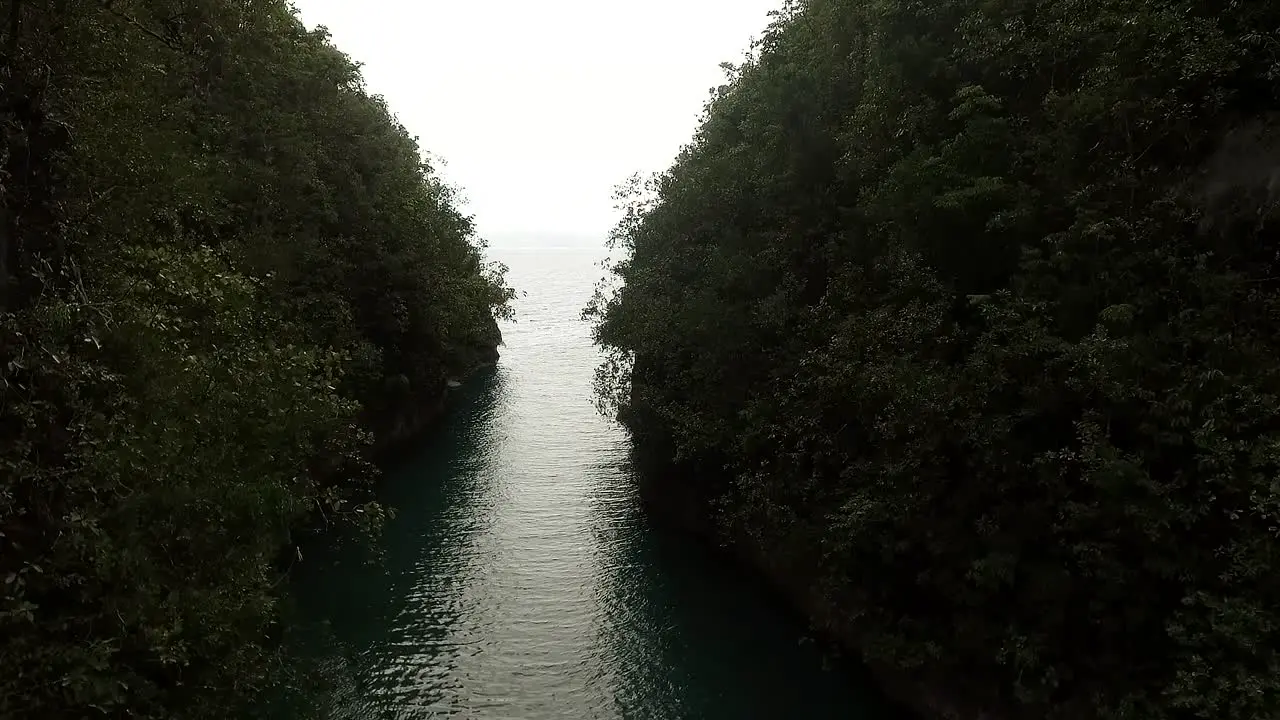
(109, 6)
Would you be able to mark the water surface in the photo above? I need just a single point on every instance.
(521, 579)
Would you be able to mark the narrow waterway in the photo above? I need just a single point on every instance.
(521, 579)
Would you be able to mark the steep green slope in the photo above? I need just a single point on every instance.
(969, 312)
(225, 271)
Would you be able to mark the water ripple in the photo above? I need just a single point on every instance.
(522, 581)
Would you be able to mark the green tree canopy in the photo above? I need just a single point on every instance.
(226, 273)
(969, 310)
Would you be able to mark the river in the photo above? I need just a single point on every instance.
(520, 578)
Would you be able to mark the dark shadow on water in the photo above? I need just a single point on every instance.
(705, 639)
(675, 629)
(345, 599)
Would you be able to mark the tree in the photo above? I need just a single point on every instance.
(216, 251)
(955, 308)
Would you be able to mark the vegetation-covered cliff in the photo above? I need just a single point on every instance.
(969, 314)
(225, 271)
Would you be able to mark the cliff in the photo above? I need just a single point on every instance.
(407, 412)
(672, 499)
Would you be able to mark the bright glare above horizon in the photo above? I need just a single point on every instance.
(540, 109)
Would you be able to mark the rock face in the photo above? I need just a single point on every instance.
(412, 411)
(410, 420)
(671, 498)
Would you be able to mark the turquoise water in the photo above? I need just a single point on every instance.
(520, 578)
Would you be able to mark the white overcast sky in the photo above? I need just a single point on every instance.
(541, 108)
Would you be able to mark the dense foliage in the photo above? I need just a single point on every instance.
(225, 271)
(974, 308)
